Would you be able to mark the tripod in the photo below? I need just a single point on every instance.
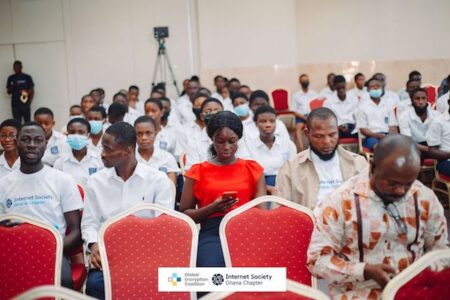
(163, 63)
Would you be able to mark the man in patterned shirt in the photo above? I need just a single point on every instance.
(372, 228)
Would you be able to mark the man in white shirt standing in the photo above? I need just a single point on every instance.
(438, 139)
(359, 91)
(300, 107)
(415, 121)
(375, 117)
(43, 193)
(56, 141)
(329, 89)
(344, 106)
(124, 184)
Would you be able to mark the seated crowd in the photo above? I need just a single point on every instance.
(207, 144)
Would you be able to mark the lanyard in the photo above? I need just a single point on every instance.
(360, 228)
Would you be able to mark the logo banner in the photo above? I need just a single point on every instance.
(221, 279)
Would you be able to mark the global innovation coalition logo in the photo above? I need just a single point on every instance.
(174, 279)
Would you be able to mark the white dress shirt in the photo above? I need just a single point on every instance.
(359, 94)
(252, 131)
(270, 159)
(168, 139)
(80, 170)
(411, 125)
(393, 97)
(184, 108)
(56, 146)
(376, 117)
(439, 132)
(344, 110)
(442, 103)
(108, 195)
(45, 195)
(198, 149)
(161, 160)
(5, 169)
(326, 93)
(300, 101)
(403, 94)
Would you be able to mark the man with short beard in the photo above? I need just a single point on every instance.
(414, 122)
(312, 174)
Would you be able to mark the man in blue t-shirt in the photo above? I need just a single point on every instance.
(21, 88)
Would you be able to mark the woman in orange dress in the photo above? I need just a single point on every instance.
(203, 196)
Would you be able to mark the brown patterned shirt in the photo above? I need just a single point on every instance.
(333, 253)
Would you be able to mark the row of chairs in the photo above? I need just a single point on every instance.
(132, 248)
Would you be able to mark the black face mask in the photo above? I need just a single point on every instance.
(165, 116)
(305, 84)
(420, 111)
(208, 118)
(196, 112)
(324, 157)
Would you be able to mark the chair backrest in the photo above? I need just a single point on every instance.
(431, 92)
(280, 99)
(183, 159)
(253, 237)
(294, 291)
(316, 103)
(52, 291)
(420, 280)
(132, 248)
(31, 255)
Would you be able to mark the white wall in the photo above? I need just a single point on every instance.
(362, 30)
(72, 46)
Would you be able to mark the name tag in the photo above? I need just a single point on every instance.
(92, 171)
(163, 169)
(386, 120)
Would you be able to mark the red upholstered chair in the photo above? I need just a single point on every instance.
(426, 278)
(294, 291)
(441, 183)
(132, 248)
(30, 255)
(280, 100)
(431, 92)
(253, 237)
(52, 291)
(316, 103)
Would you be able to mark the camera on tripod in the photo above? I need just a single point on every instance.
(161, 32)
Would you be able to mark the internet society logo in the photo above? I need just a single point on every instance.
(174, 279)
(217, 279)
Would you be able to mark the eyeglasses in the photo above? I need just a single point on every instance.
(393, 212)
(11, 136)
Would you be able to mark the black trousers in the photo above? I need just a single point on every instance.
(21, 112)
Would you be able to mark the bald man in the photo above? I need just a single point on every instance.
(373, 227)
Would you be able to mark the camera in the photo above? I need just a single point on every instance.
(161, 32)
